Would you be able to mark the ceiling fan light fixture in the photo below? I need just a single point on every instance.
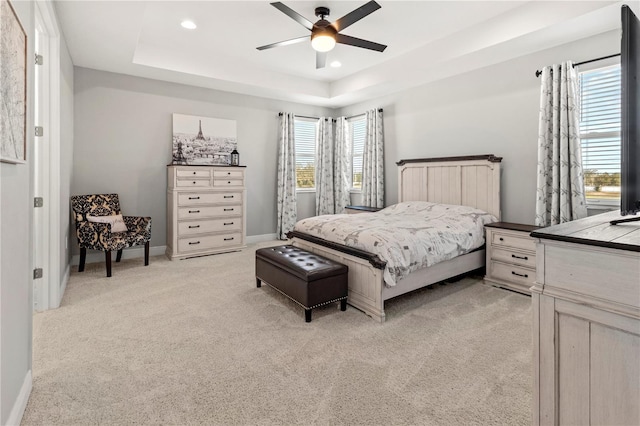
(190, 25)
(323, 42)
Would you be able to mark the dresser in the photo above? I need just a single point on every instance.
(586, 323)
(206, 210)
(511, 256)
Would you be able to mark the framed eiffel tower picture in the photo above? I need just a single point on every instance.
(203, 141)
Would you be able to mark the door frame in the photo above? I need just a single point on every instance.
(48, 290)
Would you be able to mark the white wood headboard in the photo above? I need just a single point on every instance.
(472, 181)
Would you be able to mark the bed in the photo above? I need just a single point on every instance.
(472, 181)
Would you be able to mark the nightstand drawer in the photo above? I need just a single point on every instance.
(195, 198)
(505, 239)
(513, 273)
(518, 258)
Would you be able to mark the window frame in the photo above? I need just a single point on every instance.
(315, 149)
(597, 203)
(350, 128)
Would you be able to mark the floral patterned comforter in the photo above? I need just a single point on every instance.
(408, 236)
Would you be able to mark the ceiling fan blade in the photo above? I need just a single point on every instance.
(284, 43)
(293, 15)
(358, 42)
(321, 60)
(356, 15)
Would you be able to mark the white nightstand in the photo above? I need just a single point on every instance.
(511, 256)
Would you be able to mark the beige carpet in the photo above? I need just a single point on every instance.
(195, 342)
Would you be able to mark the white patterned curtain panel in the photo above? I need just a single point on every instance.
(560, 190)
(373, 161)
(324, 167)
(342, 166)
(286, 198)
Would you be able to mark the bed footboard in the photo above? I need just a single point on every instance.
(365, 281)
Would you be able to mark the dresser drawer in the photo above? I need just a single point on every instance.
(193, 174)
(194, 183)
(228, 182)
(199, 243)
(197, 198)
(232, 174)
(509, 256)
(520, 241)
(513, 273)
(198, 212)
(207, 226)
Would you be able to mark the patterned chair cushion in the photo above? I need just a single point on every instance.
(98, 236)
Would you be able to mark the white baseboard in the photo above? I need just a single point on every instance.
(94, 256)
(15, 416)
(253, 239)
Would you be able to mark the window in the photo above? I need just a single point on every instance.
(600, 134)
(357, 130)
(305, 141)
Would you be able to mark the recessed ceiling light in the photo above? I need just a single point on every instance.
(335, 64)
(190, 25)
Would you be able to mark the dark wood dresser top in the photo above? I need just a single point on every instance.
(596, 231)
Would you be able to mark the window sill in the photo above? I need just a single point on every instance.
(306, 190)
(603, 205)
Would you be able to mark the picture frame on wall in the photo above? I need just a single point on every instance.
(203, 141)
(13, 86)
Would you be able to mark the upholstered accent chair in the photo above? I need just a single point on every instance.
(97, 233)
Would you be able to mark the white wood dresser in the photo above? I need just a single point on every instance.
(586, 323)
(511, 256)
(206, 210)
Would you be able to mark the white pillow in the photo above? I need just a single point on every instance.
(116, 221)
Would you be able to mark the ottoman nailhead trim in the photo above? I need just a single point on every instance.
(300, 304)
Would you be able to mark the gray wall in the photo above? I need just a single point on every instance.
(493, 110)
(123, 129)
(15, 252)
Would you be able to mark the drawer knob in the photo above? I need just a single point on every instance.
(194, 182)
(501, 239)
(194, 226)
(194, 173)
(228, 196)
(520, 257)
(228, 223)
(228, 239)
(194, 198)
(229, 182)
(228, 210)
(520, 275)
(194, 211)
(228, 173)
(193, 243)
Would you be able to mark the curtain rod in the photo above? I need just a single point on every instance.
(326, 118)
(538, 72)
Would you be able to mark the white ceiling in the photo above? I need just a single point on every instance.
(427, 40)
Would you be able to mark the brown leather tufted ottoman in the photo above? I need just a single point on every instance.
(306, 278)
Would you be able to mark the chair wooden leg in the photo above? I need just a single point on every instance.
(83, 258)
(119, 255)
(107, 255)
(146, 253)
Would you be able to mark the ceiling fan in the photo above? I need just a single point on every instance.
(324, 34)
